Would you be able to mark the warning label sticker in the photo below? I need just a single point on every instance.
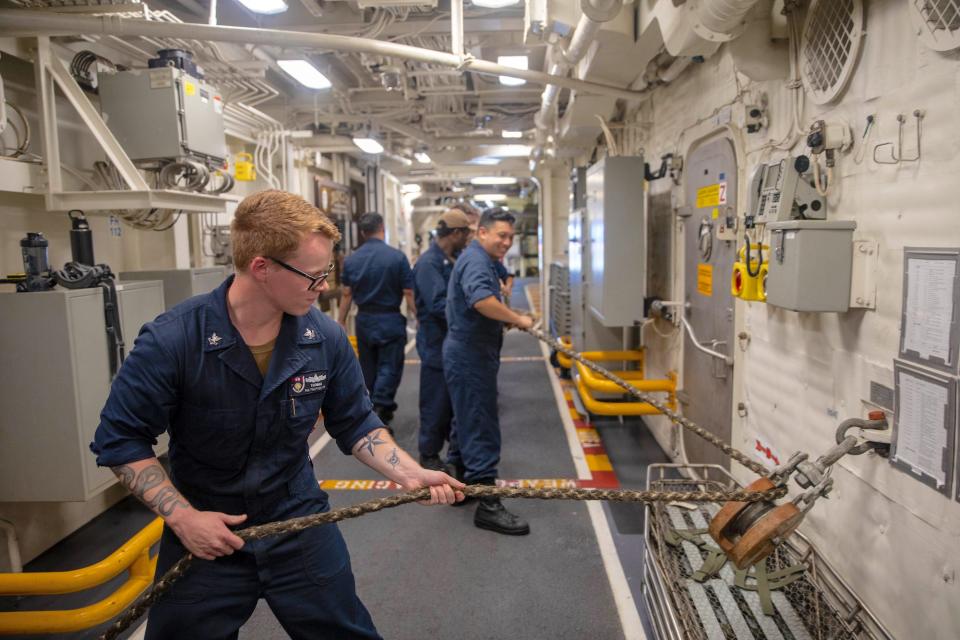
(705, 279)
(712, 195)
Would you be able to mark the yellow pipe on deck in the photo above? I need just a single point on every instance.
(133, 555)
(602, 408)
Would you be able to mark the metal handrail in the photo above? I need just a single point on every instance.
(133, 555)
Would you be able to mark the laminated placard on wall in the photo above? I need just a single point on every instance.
(925, 425)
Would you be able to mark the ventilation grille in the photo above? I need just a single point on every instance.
(831, 42)
(938, 22)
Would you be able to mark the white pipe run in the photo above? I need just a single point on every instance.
(723, 16)
(22, 23)
(583, 36)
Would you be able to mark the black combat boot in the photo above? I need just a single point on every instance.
(458, 471)
(434, 463)
(492, 515)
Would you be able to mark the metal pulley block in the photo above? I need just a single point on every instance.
(749, 532)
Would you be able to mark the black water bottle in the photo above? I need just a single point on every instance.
(34, 250)
(81, 238)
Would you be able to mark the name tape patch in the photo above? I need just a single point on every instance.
(308, 382)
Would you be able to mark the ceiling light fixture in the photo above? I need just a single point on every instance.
(267, 7)
(512, 134)
(422, 157)
(305, 73)
(368, 144)
(490, 197)
(515, 62)
(488, 180)
(411, 188)
(494, 4)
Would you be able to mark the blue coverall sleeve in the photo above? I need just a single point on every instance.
(432, 290)
(142, 398)
(347, 411)
(406, 273)
(347, 276)
(478, 283)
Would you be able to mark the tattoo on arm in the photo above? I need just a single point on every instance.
(394, 459)
(125, 474)
(166, 500)
(370, 441)
(149, 478)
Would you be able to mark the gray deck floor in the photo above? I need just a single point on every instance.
(428, 572)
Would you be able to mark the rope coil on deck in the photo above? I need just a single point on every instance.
(295, 525)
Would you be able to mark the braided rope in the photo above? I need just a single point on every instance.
(295, 525)
(686, 423)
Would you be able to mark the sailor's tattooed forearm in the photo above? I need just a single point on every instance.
(393, 459)
(166, 501)
(152, 476)
(125, 474)
(370, 441)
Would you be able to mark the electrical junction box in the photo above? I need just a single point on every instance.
(164, 114)
(809, 265)
(180, 284)
(616, 233)
(56, 378)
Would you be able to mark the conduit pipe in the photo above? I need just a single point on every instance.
(724, 16)
(595, 13)
(21, 23)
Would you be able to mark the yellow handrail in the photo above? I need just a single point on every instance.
(565, 361)
(133, 555)
(353, 343)
(603, 408)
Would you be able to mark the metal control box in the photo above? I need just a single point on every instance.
(163, 113)
(616, 233)
(810, 264)
(180, 284)
(56, 378)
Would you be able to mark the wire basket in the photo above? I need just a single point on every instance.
(817, 606)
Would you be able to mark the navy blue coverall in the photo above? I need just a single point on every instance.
(471, 360)
(377, 274)
(238, 444)
(431, 274)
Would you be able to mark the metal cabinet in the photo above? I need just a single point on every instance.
(180, 284)
(56, 378)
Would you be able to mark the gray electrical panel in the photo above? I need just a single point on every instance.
(56, 378)
(163, 114)
(810, 264)
(616, 232)
(180, 284)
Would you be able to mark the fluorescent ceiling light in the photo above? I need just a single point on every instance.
(508, 150)
(411, 188)
(490, 197)
(516, 62)
(512, 134)
(493, 180)
(494, 4)
(368, 145)
(422, 157)
(265, 6)
(305, 73)
(486, 161)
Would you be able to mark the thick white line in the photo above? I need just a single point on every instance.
(139, 633)
(318, 446)
(622, 596)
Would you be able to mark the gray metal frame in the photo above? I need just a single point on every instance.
(950, 424)
(657, 590)
(921, 253)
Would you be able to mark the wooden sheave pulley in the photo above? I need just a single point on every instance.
(748, 532)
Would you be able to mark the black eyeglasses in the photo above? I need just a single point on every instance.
(315, 281)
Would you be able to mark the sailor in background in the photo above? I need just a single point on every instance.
(378, 278)
(431, 275)
(471, 360)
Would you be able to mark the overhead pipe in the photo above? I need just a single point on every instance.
(595, 13)
(21, 23)
(724, 16)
